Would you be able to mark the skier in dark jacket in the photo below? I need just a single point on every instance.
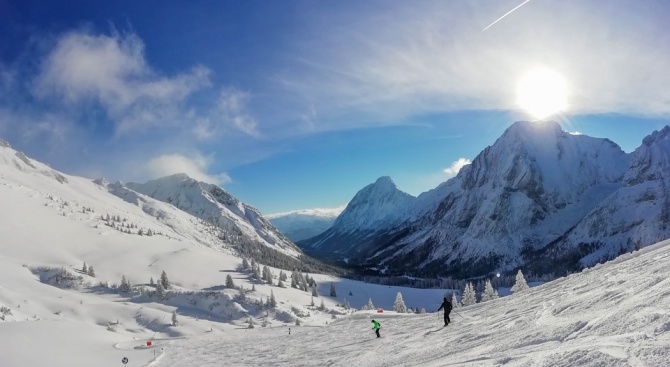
(447, 309)
(375, 326)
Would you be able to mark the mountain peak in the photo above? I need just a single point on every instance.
(4, 143)
(385, 182)
(656, 136)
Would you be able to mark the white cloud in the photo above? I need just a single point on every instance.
(412, 59)
(232, 106)
(456, 166)
(317, 212)
(112, 71)
(195, 167)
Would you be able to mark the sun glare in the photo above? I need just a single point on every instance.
(542, 93)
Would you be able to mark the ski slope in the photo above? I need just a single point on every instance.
(616, 314)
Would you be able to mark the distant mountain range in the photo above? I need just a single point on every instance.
(539, 198)
(302, 224)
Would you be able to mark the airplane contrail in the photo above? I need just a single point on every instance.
(506, 14)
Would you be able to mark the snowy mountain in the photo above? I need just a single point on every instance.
(363, 222)
(238, 221)
(302, 224)
(80, 261)
(539, 197)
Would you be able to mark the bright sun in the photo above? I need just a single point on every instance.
(542, 93)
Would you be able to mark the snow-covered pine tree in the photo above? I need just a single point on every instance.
(245, 264)
(280, 284)
(322, 306)
(454, 301)
(84, 269)
(370, 305)
(164, 280)
(91, 271)
(314, 292)
(124, 287)
(160, 291)
(520, 283)
(423, 310)
(312, 302)
(272, 302)
(174, 318)
(151, 281)
(242, 296)
(229, 282)
(256, 272)
(333, 293)
(469, 296)
(399, 304)
(489, 293)
(294, 281)
(267, 274)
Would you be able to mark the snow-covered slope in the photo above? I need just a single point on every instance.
(302, 224)
(214, 205)
(613, 315)
(52, 313)
(375, 208)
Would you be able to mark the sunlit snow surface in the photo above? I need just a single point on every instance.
(617, 314)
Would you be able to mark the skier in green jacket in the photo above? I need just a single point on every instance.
(375, 327)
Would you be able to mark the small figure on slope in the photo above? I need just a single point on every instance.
(375, 327)
(447, 309)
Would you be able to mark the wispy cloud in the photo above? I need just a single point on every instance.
(195, 167)
(111, 70)
(412, 59)
(456, 166)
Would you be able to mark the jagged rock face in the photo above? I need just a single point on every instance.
(539, 197)
(214, 205)
(357, 230)
(520, 194)
(636, 215)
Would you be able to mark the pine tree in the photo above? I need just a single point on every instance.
(164, 280)
(314, 293)
(312, 302)
(174, 318)
(333, 293)
(125, 285)
(242, 294)
(423, 310)
(469, 296)
(489, 293)
(399, 304)
(272, 302)
(151, 281)
(91, 271)
(245, 264)
(280, 284)
(322, 306)
(520, 283)
(454, 301)
(370, 305)
(229, 282)
(160, 291)
(84, 269)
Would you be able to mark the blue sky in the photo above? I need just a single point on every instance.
(299, 104)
